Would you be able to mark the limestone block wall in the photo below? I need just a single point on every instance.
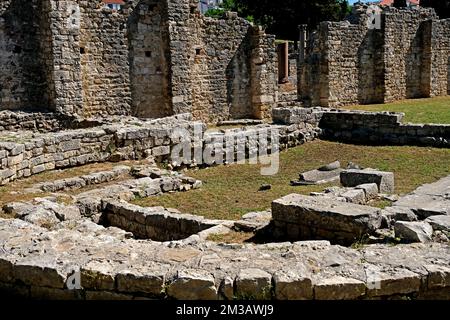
(149, 59)
(440, 61)
(347, 63)
(36, 153)
(366, 127)
(407, 36)
(23, 82)
(157, 224)
(103, 53)
(221, 69)
(148, 38)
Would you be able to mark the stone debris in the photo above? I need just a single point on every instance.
(413, 231)
(353, 178)
(440, 223)
(326, 174)
(428, 200)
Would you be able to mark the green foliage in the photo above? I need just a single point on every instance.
(282, 17)
(215, 13)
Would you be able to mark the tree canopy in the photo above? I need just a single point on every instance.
(442, 7)
(282, 17)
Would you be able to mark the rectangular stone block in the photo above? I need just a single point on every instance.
(325, 219)
(354, 178)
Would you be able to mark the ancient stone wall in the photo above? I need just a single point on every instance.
(440, 61)
(156, 224)
(23, 83)
(349, 63)
(220, 68)
(130, 140)
(103, 53)
(407, 35)
(149, 59)
(366, 127)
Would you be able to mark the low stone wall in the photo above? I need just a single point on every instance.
(17, 121)
(130, 139)
(106, 266)
(157, 224)
(367, 127)
(27, 155)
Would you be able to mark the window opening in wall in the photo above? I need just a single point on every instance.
(82, 50)
(148, 54)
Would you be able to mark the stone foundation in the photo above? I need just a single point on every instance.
(366, 127)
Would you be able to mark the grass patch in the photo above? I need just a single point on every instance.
(232, 237)
(231, 191)
(431, 110)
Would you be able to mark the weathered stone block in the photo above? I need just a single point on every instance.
(149, 281)
(339, 288)
(193, 285)
(253, 284)
(370, 190)
(413, 231)
(354, 178)
(289, 285)
(326, 219)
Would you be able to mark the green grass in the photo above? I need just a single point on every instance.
(432, 110)
(231, 191)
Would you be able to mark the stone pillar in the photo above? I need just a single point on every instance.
(283, 62)
(65, 70)
(264, 84)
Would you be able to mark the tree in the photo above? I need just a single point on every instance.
(282, 17)
(442, 7)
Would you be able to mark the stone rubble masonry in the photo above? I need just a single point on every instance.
(131, 139)
(118, 268)
(152, 58)
(366, 127)
(347, 63)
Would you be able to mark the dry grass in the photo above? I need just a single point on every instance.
(232, 237)
(431, 110)
(231, 191)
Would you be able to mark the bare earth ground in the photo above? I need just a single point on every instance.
(229, 192)
(430, 110)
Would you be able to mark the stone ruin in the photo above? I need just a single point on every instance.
(89, 79)
(349, 63)
(150, 59)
